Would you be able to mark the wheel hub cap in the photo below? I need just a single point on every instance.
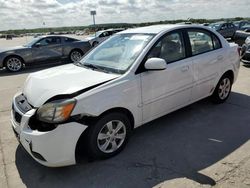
(111, 136)
(14, 64)
(224, 88)
(76, 56)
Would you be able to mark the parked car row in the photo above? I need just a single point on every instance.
(245, 51)
(237, 31)
(51, 49)
(41, 50)
(241, 35)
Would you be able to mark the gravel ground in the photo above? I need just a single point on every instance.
(202, 145)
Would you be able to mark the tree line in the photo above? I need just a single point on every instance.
(92, 28)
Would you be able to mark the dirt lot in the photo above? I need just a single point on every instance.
(202, 145)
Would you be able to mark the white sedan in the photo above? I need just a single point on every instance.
(132, 78)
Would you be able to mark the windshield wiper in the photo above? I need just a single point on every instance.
(91, 66)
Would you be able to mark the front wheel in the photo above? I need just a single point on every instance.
(108, 136)
(222, 90)
(14, 64)
(95, 43)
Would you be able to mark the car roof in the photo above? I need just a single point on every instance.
(156, 29)
(61, 36)
(223, 22)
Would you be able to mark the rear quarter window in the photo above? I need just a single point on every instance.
(203, 41)
(67, 40)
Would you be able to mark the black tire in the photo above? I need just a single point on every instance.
(75, 51)
(243, 51)
(95, 43)
(216, 97)
(15, 60)
(94, 151)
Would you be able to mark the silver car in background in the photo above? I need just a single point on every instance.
(43, 50)
(101, 36)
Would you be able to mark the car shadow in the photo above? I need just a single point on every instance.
(177, 145)
(246, 65)
(30, 69)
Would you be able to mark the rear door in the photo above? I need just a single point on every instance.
(48, 49)
(207, 56)
(169, 89)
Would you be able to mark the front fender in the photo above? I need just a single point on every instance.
(26, 55)
(123, 94)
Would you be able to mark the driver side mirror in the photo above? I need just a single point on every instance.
(37, 45)
(155, 64)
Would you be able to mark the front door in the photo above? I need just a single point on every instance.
(169, 89)
(48, 49)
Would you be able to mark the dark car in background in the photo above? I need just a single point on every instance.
(245, 52)
(9, 37)
(41, 50)
(241, 35)
(242, 25)
(226, 29)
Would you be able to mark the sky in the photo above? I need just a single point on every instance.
(20, 14)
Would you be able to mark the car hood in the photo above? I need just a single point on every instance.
(67, 79)
(12, 48)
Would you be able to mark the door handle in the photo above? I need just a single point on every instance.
(184, 68)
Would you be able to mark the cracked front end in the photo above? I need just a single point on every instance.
(50, 147)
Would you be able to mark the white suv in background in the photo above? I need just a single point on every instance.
(132, 78)
(101, 36)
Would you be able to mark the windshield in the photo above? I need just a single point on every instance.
(118, 53)
(246, 26)
(31, 43)
(237, 24)
(96, 34)
(215, 26)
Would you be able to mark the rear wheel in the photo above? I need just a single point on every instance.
(75, 55)
(223, 89)
(14, 64)
(108, 136)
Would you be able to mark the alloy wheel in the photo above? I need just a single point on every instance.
(75, 56)
(111, 136)
(224, 88)
(14, 64)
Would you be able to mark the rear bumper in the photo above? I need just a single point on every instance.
(53, 148)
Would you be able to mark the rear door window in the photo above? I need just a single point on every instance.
(203, 41)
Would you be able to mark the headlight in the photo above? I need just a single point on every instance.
(56, 111)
